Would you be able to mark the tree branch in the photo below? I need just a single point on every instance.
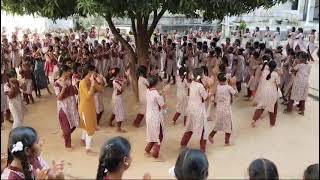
(146, 21)
(118, 36)
(133, 24)
(155, 21)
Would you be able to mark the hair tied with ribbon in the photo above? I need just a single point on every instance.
(198, 77)
(185, 73)
(17, 147)
(265, 61)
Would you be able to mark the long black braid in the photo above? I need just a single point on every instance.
(101, 173)
(27, 136)
(272, 67)
(112, 155)
(26, 167)
(183, 73)
(265, 60)
(27, 171)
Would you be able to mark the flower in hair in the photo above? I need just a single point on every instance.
(17, 147)
(108, 146)
(105, 170)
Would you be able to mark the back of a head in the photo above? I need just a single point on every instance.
(142, 70)
(112, 154)
(197, 72)
(192, 164)
(153, 80)
(205, 70)
(263, 169)
(26, 135)
(182, 71)
(312, 172)
(87, 68)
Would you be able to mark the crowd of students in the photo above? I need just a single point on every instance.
(24, 162)
(208, 74)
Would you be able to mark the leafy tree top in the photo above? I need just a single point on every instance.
(208, 9)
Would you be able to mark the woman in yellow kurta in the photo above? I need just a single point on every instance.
(90, 84)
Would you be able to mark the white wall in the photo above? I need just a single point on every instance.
(33, 23)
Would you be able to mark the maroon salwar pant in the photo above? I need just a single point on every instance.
(155, 145)
(177, 115)
(65, 126)
(301, 105)
(187, 136)
(138, 120)
(272, 116)
(226, 136)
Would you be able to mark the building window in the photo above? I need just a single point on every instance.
(294, 5)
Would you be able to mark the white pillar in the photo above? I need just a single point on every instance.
(227, 27)
(301, 4)
(310, 10)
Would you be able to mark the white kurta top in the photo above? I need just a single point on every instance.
(223, 113)
(182, 95)
(300, 85)
(267, 93)
(299, 42)
(154, 115)
(196, 111)
(276, 39)
(142, 87)
(16, 108)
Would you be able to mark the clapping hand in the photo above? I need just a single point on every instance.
(57, 170)
(146, 176)
(99, 79)
(42, 174)
(92, 80)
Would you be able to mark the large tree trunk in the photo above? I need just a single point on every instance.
(142, 50)
(133, 76)
(132, 56)
(142, 34)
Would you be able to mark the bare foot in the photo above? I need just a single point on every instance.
(121, 130)
(146, 154)
(10, 121)
(82, 142)
(211, 139)
(70, 149)
(55, 132)
(110, 124)
(159, 159)
(253, 124)
(286, 111)
(91, 153)
(174, 123)
(97, 128)
(2, 127)
(228, 144)
(182, 147)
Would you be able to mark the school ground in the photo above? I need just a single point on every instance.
(293, 144)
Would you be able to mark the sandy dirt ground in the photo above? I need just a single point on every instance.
(293, 144)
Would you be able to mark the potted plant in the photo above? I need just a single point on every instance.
(278, 21)
(242, 27)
